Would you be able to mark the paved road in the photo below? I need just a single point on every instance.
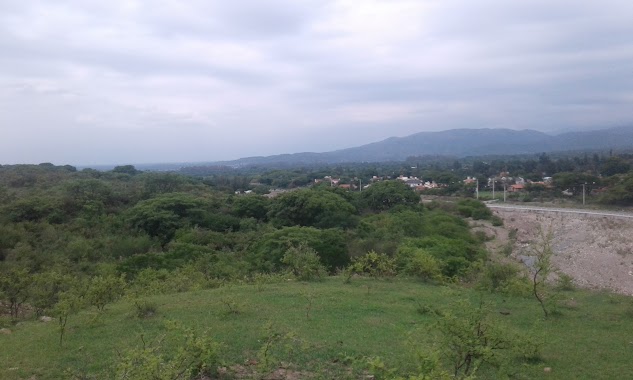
(616, 214)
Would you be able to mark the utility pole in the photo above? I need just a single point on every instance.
(493, 189)
(504, 192)
(583, 193)
(477, 191)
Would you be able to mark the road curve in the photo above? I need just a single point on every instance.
(562, 210)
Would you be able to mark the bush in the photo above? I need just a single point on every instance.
(145, 309)
(266, 254)
(423, 266)
(197, 357)
(497, 276)
(469, 337)
(372, 264)
(304, 263)
(496, 221)
(471, 208)
(565, 282)
(104, 290)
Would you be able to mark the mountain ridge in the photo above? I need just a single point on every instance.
(455, 142)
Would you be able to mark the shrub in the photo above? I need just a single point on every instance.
(471, 208)
(518, 286)
(496, 221)
(373, 264)
(304, 263)
(104, 290)
(423, 266)
(267, 252)
(15, 288)
(481, 213)
(145, 309)
(496, 276)
(565, 282)
(196, 357)
(470, 338)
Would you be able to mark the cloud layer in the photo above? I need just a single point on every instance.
(87, 82)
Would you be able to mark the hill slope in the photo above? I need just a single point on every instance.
(335, 328)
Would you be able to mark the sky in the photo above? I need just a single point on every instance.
(116, 82)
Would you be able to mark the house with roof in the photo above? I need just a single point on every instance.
(517, 187)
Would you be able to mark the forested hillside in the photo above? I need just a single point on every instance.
(66, 231)
(97, 258)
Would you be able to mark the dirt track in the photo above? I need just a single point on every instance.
(596, 250)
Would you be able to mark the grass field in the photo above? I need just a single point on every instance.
(335, 326)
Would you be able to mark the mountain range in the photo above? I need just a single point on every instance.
(456, 143)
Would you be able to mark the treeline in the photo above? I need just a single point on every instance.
(605, 175)
(98, 234)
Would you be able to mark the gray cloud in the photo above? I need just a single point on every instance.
(86, 82)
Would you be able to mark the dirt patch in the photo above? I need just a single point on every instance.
(596, 251)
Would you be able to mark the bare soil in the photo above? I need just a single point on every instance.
(596, 251)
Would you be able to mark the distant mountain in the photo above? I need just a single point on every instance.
(458, 143)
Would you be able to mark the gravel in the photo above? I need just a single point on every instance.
(596, 251)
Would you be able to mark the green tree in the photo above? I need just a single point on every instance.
(541, 252)
(304, 263)
(104, 290)
(566, 180)
(321, 209)
(162, 183)
(620, 192)
(251, 206)
(15, 287)
(267, 253)
(160, 217)
(47, 288)
(69, 303)
(384, 195)
(614, 165)
(125, 169)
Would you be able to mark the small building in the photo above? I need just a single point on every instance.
(517, 188)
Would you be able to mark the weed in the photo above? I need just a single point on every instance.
(275, 345)
(482, 237)
(565, 282)
(232, 306)
(195, 357)
(309, 297)
(424, 309)
(145, 309)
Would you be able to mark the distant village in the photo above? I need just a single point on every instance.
(512, 184)
(502, 182)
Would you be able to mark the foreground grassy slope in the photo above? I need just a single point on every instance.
(591, 339)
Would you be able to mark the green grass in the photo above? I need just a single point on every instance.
(593, 339)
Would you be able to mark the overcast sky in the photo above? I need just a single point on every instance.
(114, 82)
